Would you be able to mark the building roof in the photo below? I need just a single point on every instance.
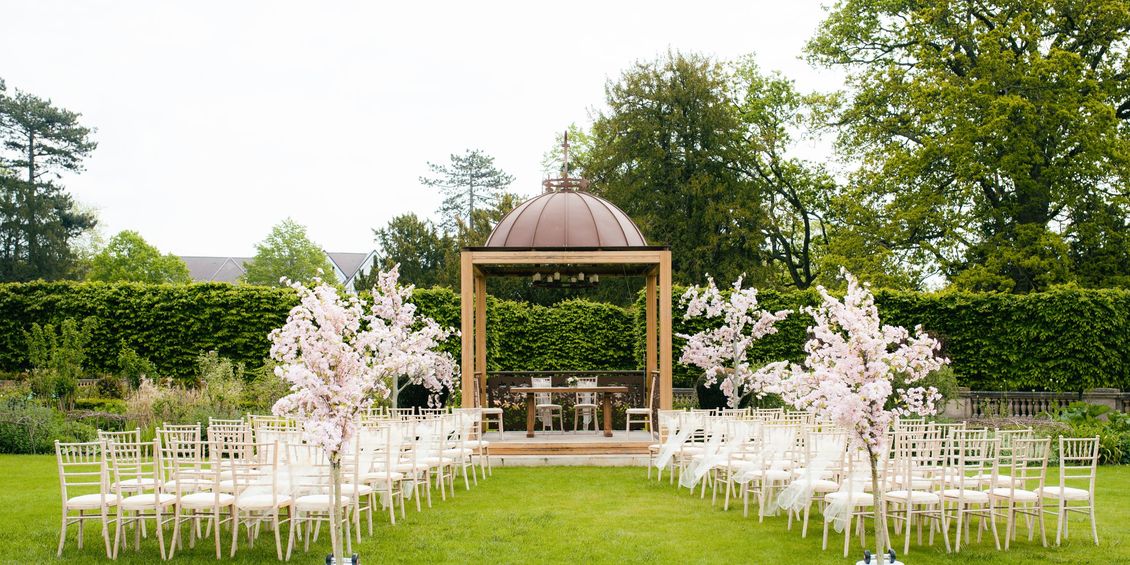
(564, 219)
(348, 263)
(215, 269)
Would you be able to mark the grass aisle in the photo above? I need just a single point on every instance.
(552, 515)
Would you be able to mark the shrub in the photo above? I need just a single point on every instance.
(133, 367)
(57, 359)
(1086, 420)
(264, 388)
(110, 386)
(28, 427)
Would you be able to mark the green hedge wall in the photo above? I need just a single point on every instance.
(1066, 339)
(1062, 340)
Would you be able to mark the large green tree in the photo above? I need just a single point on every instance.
(128, 257)
(991, 136)
(287, 252)
(664, 151)
(39, 142)
(419, 248)
(468, 182)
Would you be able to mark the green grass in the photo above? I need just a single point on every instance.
(553, 515)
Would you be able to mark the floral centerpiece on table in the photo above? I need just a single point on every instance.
(850, 373)
(571, 381)
(338, 353)
(722, 351)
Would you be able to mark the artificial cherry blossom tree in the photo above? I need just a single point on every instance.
(854, 364)
(339, 353)
(723, 350)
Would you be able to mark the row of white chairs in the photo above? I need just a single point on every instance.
(931, 475)
(258, 471)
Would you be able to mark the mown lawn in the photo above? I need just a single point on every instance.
(552, 515)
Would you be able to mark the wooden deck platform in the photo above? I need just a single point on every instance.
(569, 443)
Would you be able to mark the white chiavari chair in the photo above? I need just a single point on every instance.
(667, 422)
(309, 475)
(1028, 465)
(261, 491)
(824, 453)
(972, 456)
(196, 486)
(916, 468)
(357, 461)
(134, 470)
(852, 504)
(480, 447)
(85, 486)
(1078, 464)
(387, 441)
(462, 426)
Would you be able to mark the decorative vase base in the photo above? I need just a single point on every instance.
(352, 560)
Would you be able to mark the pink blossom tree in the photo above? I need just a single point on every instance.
(723, 350)
(338, 354)
(858, 373)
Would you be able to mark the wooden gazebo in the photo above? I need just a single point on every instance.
(555, 238)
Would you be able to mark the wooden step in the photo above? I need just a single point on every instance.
(569, 448)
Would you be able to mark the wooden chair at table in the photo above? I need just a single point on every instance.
(1078, 464)
(85, 488)
(489, 413)
(585, 405)
(643, 415)
(544, 407)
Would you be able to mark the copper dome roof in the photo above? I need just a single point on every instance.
(566, 218)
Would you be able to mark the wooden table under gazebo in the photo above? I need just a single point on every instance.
(566, 237)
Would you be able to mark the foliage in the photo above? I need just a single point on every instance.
(286, 252)
(1087, 420)
(110, 386)
(221, 380)
(29, 427)
(991, 137)
(57, 359)
(39, 142)
(469, 182)
(128, 257)
(169, 324)
(264, 389)
(664, 152)
(133, 367)
(420, 250)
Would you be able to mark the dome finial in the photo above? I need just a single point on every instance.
(565, 182)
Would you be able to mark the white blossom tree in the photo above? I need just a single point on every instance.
(723, 351)
(338, 354)
(850, 373)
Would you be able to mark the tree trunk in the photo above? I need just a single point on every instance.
(880, 523)
(335, 509)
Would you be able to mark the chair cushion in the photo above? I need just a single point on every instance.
(1021, 495)
(548, 406)
(477, 443)
(915, 496)
(261, 501)
(639, 411)
(1069, 493)
(205, 500)
(90, 501)
(149, 500)
(856, 498)
(317, 502)
(492, 411)
(819, 485)
(361, 490)
(967, 494)
(381, 476)
(585, 405)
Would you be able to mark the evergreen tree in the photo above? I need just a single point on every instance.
(468, 183)
(38, 220)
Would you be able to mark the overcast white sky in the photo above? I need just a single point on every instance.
(215, 120)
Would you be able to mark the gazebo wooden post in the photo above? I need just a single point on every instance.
(481, 334)
(650, 330)
(665, 360)
(467, 327)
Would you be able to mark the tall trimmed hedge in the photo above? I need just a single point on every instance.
(1066, 339)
